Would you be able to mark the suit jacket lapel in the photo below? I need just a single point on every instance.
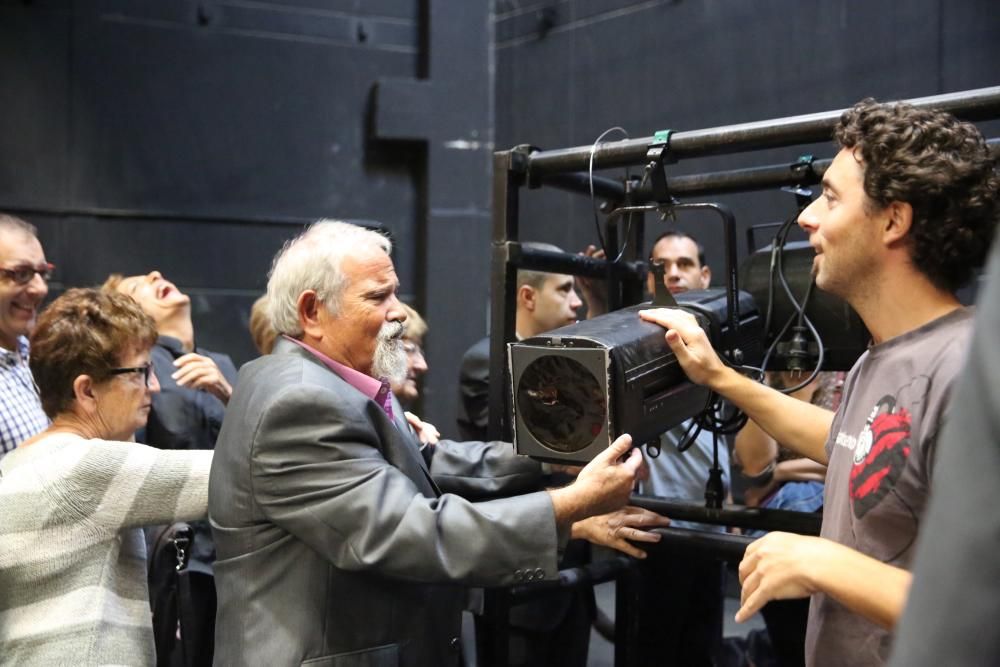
(412, 442)
(403, 441)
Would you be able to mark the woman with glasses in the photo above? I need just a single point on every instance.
(72, 554)
(407, 390)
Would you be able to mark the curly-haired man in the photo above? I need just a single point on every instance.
(908, 210)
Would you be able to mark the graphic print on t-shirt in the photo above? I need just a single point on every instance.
(880, 455)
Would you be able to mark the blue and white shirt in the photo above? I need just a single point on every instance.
(21, 414)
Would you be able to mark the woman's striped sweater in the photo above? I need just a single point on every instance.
(72, 554)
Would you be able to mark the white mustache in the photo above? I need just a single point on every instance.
(391, 331)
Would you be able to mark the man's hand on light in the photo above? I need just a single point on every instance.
(620, 528)
(688, 342)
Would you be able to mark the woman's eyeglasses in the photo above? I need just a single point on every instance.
(145, 370)
(22, 275)
(412, 349)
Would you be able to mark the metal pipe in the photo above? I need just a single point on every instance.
(550, 261)
(979, 104)
(804, 523)
(604, 187)
(742, 180)
(718, 545)
(508, 178)
(749, 179)
(729, 236)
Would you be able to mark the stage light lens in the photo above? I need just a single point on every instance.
(561, 403)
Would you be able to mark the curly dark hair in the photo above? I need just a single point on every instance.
(84, 332)
(942, 168)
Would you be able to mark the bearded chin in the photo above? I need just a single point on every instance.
(390, 358)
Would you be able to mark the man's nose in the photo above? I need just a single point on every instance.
(38, 286)
(574, 300)
(807, 218)
(154, 275)
(419, 363)
(395, 312)
(154, 383)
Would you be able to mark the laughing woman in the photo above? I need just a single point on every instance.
(73, 498)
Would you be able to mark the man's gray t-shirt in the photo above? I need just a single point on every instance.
(881, 451)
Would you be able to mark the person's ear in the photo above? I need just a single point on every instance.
(309, 308)
(83, 393)
(706, 276)
(899, 221)
(526, 296)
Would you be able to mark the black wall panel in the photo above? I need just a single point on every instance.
(195, 137)
(567, 70)
(34, 100)
(194, 119)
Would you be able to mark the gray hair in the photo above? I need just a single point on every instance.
(535, 278)
(12, 223)
(313, 261)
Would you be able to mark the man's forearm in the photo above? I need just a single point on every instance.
(797, 425)
(755, 450)
(567, 506)
(864, 585)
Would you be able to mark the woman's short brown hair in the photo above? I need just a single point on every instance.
(416, 326)
(261, 329)
(84, 332)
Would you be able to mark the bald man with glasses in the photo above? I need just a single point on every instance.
(24, 275)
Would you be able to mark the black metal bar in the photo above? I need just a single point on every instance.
(738, 516)
(632, 284)
(604, 187)
(741, 180)
(508, 177)
(567, 263)
(722, 546)
(709, 183)
(493, 638)
(729, 234)
(610, 275)
(983, 103)
(718, 182)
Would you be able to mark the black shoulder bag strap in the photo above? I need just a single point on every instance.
(172, 604)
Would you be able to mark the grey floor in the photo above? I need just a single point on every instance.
(602, 652)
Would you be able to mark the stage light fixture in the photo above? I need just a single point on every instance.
(577, 388)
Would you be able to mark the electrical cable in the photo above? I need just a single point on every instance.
(593, 197)
(803, 323)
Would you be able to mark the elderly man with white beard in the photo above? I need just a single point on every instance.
(337, 542)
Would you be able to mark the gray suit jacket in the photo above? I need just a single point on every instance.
(335, 546)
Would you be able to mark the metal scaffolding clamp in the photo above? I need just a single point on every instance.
(803, 170)
(657, 155)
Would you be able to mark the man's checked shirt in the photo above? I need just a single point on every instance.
(21, 414)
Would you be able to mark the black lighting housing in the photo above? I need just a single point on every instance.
(577, 388)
